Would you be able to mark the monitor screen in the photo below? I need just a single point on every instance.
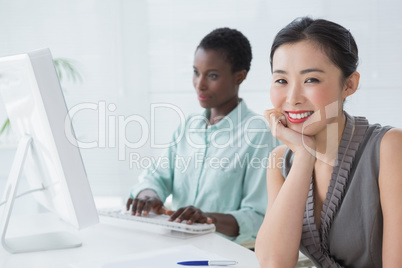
(31, 92)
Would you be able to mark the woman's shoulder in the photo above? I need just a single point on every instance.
(373, 136)
(392, 140)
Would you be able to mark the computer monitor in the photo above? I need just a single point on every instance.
(46, 155)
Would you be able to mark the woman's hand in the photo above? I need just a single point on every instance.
(190, 214)
(145, 202)
(225, 223)
(296, 141)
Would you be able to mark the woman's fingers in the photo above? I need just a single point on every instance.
(143, 206)
(140, 207)
(176, 214)
(128, 204)
(276, 121)
(279, 129)
(186, 214)
(198, 216)
(267, 115)
(190, 214)
(147, 207)
(167, 212)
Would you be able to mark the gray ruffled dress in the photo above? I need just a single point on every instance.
(351, 219)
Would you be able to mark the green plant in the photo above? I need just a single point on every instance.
(66, 69)
(5, 126)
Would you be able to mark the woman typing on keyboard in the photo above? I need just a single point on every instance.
(217, 165)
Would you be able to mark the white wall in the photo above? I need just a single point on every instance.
(137, 53)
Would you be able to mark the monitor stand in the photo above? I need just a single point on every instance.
(37, 242)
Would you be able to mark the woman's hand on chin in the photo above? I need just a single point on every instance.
(294, 140)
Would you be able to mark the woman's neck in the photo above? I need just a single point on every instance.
(218, 113)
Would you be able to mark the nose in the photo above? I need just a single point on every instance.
(295, 95)
(199, 82)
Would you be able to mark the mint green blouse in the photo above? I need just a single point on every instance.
(218, 168)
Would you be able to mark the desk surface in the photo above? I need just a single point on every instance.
(113, 239)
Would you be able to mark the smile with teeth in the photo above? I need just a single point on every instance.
(300, 115)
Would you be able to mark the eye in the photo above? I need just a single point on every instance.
(312, 80)
(213, 76)
(195, 72)
(281, 81)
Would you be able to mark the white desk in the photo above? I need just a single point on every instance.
(112, 239)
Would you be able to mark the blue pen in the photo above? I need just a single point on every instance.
(207, 263)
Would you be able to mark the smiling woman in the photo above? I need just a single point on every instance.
(306, 81)
(316, 202)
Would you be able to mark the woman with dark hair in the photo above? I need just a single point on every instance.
(215, 168)
(335, 193)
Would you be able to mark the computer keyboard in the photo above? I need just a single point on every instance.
(159, 220)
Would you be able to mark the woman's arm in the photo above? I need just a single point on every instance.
(279, 237)
(390, 183)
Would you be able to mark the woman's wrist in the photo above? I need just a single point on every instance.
(305, 155)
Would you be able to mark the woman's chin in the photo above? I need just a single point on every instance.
(308, 130)
(204, 105)
(295, 127)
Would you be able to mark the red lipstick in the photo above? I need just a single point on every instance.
(296, 119)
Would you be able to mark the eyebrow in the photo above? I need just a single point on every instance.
(311, 71)
(301, 72)
(209, 70)
(279, 72)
